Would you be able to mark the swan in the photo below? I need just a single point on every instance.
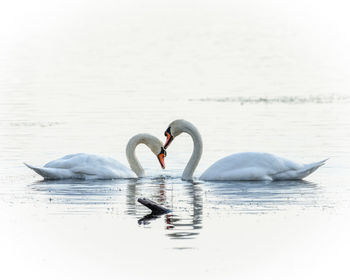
(246, 166)
(90, 167)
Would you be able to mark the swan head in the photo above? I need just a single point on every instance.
(152, 142)
(174, 129)
(156, 147)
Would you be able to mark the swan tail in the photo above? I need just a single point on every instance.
(49, 173)
(315, 164)
(300, 173)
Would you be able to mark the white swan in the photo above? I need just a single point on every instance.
(238, 167)
(87, 166)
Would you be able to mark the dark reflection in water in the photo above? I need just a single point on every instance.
(145, 220)
(185, 199)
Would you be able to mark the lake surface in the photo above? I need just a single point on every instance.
(253, 76)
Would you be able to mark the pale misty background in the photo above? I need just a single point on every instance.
(85, 76)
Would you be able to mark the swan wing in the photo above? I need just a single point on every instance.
(298, 174)
(52, 173)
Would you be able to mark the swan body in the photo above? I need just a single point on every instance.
(241, 166)
(257, 166)
(91, 167)
(84, 166)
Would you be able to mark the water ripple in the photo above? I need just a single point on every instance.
(317, 99)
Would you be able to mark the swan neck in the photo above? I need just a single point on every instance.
(196, 154)
(131, 155)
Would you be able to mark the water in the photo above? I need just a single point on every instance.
(85, 77)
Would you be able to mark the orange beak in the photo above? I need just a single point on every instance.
(169, 138)
(161, 160)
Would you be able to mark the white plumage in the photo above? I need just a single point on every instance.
(247, 166)
(90, 167)
(257, 166)
(84, 166)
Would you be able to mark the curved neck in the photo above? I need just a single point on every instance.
(131, 156)
(197, 150)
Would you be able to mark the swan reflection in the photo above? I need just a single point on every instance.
(187, 200)
(80, 195)
(262, 196)
(187, 224)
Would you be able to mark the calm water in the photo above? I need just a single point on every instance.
(254, 76)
